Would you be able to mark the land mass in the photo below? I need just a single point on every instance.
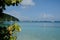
(42, 21)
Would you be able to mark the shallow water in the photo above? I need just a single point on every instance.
(39, 31)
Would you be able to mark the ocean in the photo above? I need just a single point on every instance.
(39, 31)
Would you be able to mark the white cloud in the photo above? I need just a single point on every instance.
(48, 16)
(45, 16)
(26, 3)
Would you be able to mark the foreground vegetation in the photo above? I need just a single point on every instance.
(9, 32)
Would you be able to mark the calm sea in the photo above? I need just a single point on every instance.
(39, 31)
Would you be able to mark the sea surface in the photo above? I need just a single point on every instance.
(39, 31)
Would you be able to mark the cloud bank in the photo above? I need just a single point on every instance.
(46, 16)
(41, 16)
(26, 3)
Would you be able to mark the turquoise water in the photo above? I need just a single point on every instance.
(39, 31)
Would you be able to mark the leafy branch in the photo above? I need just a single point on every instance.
(4, 3)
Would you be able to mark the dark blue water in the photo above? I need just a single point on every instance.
(39, 31)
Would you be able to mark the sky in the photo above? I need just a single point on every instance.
(37, 10)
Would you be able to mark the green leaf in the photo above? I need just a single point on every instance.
(8, 2)
(11, 2)
(17, 27)
(11, 38)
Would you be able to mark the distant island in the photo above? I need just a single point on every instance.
(42, 21)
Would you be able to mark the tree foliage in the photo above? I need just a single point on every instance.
(4, 3)
(7, 33)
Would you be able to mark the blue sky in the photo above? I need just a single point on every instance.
(36, 10)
